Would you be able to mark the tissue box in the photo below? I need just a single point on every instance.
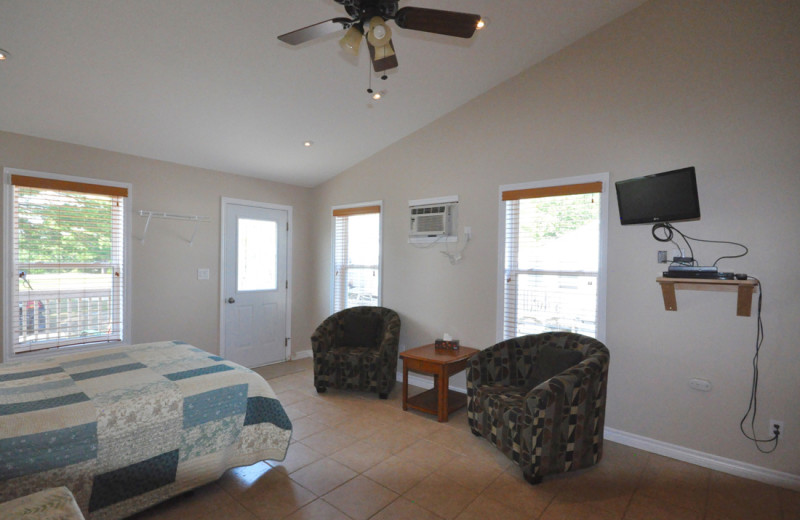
(441, 344)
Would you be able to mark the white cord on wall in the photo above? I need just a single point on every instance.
(458, 255)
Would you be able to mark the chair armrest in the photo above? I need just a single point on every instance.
(324, 336)
(491, 365)
(390, 340)
(566, 410)
(591, 373)
(476, 370)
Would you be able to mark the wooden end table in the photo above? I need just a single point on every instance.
(441, 364)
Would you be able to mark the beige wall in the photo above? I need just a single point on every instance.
(675, 83)
(168, 300)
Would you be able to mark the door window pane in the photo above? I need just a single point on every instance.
(257, 255)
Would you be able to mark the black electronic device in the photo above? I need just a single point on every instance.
(692, 269)
(662, 197)
(704, 275)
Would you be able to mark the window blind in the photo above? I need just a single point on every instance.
(356, 257)
(67, 240)
(551, 259)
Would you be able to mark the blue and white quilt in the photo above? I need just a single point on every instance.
(128, 427)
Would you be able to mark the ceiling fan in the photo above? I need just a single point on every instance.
(369, 17)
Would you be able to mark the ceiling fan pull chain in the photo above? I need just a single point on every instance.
(369, 74)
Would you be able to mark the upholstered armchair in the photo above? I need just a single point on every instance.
(356, 348)
(541, 400)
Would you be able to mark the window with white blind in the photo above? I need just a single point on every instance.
(66, 253)
(356, 256)
(553, 251)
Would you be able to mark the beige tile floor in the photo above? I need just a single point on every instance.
(356, 457)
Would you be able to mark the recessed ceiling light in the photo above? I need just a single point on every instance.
(308, 144)
(4, 55)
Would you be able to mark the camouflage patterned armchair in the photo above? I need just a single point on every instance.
(356, 348)
(541, 400)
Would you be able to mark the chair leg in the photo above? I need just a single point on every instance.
(475, 431)
(533, 479)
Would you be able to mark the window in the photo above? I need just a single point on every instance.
(67, 251)
(553, 270)
(258, 242)
(356, 256)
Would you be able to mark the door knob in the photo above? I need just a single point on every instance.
(231, 300)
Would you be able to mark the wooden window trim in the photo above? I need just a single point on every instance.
(553, 191)
(57, 184)
(360, 210)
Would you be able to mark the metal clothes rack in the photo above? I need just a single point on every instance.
(171, 216)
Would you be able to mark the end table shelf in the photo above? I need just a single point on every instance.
(744, 288)
(428, 401)
(441, 364)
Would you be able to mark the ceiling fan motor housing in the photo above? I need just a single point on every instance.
(363, 10)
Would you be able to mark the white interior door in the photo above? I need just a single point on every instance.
(254, 284)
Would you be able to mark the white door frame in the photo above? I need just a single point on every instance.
(222, 289)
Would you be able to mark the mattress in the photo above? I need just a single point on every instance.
(125, 428)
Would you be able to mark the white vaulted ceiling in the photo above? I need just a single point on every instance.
(206, 83)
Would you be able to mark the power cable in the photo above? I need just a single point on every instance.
(753, 405)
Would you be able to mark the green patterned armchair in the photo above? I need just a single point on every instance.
(356, 348)
(541, 400)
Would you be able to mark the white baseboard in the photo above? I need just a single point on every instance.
(673, 451)
(302, 354)
(706, 460)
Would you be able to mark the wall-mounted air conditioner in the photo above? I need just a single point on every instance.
(433, 220)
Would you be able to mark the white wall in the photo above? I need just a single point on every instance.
(674, 83)
(168, 300)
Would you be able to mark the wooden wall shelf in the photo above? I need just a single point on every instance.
(744, 288)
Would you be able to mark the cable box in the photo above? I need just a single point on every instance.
(705, 275)
(692, 269)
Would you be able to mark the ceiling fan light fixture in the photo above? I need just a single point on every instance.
(351, 41)
(4, 55)
(483, 22)
(379, 33)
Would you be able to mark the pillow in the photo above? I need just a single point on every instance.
(552, 361)
(361, 330)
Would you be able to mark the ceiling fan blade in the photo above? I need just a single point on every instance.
(450, 23)
(315, 31)
(383, 58)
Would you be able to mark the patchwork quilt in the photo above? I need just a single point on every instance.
(128, 427)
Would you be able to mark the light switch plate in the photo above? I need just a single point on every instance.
(203, 274)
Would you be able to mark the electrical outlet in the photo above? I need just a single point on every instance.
(700, 384)
(776, 424)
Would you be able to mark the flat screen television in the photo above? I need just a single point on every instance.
(662, 197)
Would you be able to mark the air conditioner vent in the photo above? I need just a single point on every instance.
(431, 220)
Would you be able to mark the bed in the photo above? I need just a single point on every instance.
(128, 427)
